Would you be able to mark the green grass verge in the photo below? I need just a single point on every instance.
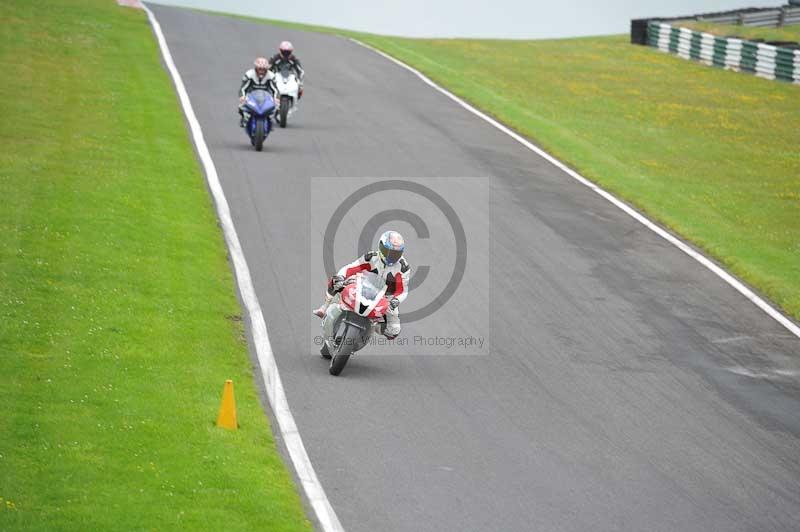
(786, 33)
(118, 316)
(711, 154)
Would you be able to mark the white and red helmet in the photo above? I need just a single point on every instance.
(286, 49)
(261, 65)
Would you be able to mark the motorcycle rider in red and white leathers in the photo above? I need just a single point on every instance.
(389, 264)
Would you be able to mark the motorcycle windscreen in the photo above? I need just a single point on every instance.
(370, 286)
(260, 102)
(286, 71)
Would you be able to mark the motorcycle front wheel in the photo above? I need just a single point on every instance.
(258, 135)
(348, 341)
(286, 103)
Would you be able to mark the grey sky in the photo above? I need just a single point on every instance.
(533, 19)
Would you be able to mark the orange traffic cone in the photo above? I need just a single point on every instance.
(227, 411)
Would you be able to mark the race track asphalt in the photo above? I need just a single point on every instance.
(622, 386)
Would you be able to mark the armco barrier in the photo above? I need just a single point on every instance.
(764, 60)
(772, 17)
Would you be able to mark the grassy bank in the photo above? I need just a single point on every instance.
(786, 33)
(118, 319)
(711, 154)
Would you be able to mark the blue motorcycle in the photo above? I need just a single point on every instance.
(261, 106)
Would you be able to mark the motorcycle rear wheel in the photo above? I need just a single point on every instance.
(324, 352)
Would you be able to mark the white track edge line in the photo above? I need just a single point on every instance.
(269, 369)
(683, 246)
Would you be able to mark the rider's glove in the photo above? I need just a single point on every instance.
(337, 283)
(394, 303)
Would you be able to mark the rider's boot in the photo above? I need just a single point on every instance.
(320, 312)
(243, 118)
(392, 328)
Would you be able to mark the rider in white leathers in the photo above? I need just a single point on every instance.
(285, 56)
(389, 264)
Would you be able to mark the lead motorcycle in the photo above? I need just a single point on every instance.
(261, 105)
(354, 315)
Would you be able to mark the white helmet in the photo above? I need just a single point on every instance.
(286, 49)
(261, 64)
(391, 247)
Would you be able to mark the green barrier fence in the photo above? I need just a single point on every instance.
(764, 60)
